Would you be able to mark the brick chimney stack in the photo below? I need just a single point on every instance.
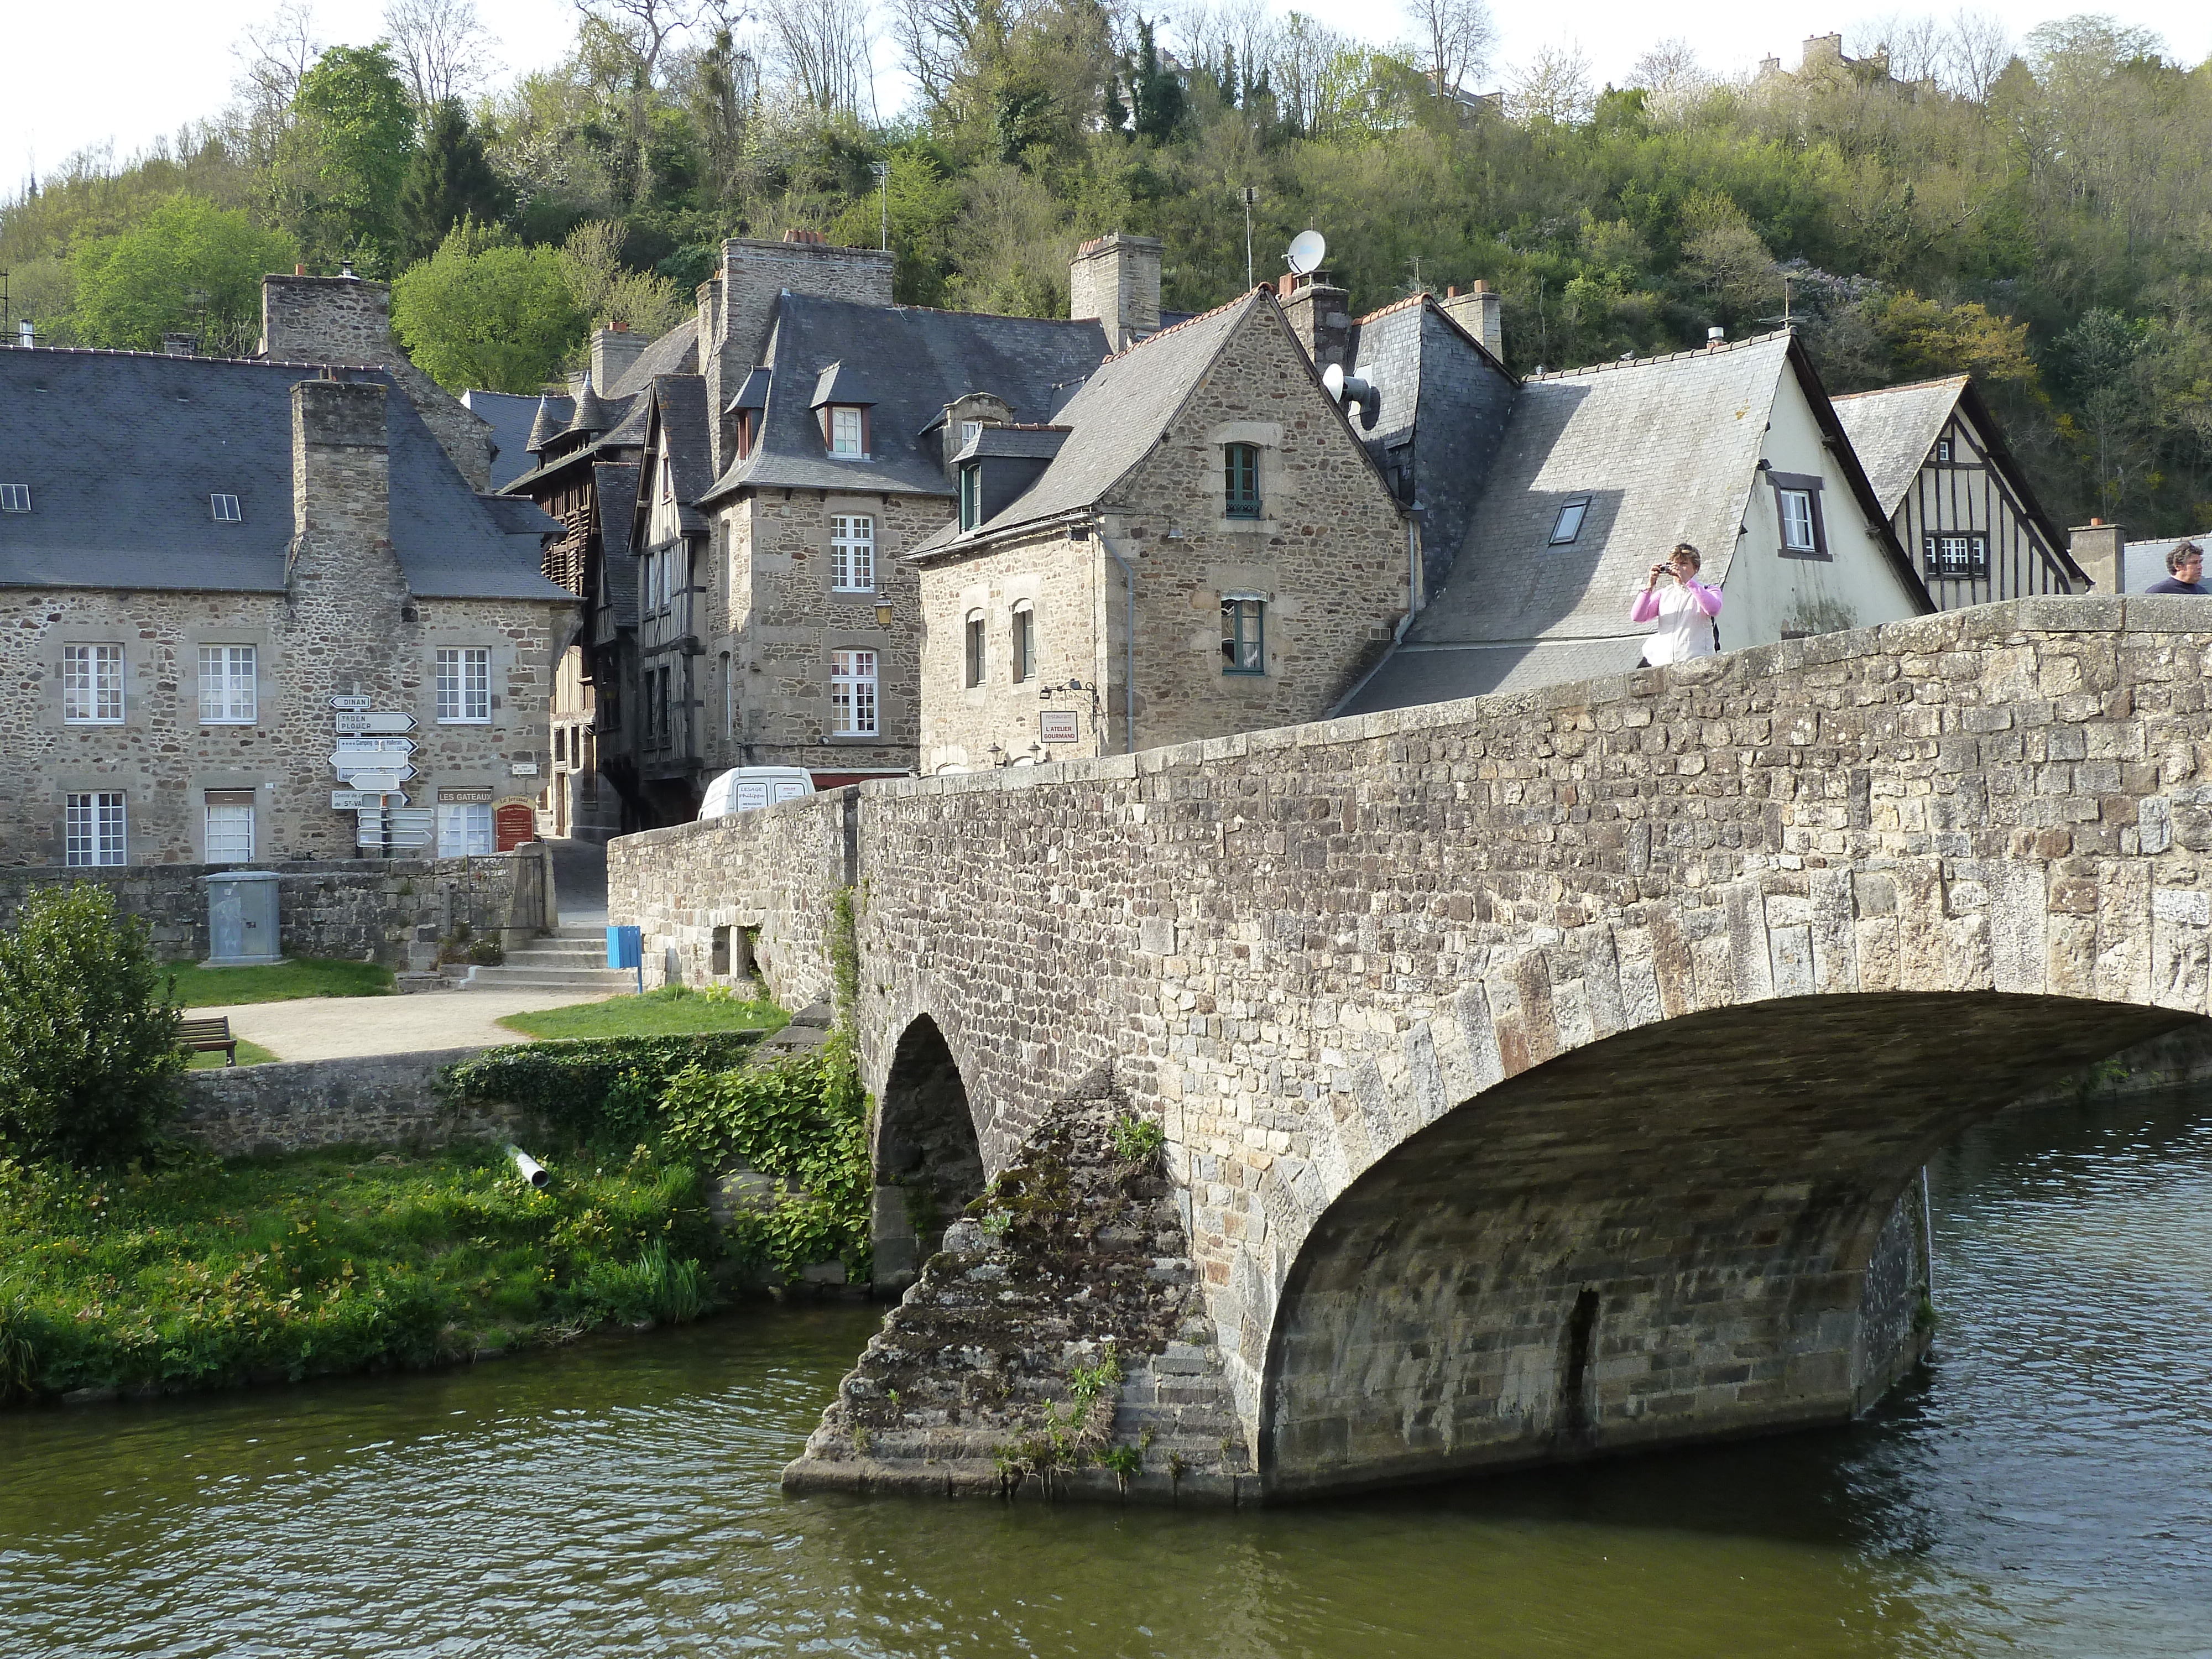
(2101, 550)
(1320, 315)
(1115, 278)
(1481, 312)
(737, 307)
(613, 351)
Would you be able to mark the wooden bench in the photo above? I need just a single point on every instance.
(207, 1036)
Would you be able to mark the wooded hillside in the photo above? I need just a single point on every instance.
(2037, 213)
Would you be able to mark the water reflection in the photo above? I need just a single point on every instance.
(2045, 1487)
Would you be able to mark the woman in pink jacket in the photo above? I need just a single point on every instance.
(1685, 610)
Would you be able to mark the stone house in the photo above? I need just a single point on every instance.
(1736, 449)
(1958, 503)
(1196, 544)
(196, 556)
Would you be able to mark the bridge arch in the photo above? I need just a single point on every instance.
(1698, 1227)
(928, 1157)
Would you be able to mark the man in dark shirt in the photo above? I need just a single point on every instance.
(2185, 571)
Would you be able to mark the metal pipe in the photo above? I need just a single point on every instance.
(1129, 647)
(529, 1168)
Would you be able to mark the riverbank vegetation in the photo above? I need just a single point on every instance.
(133, 1261)
(1940, 197)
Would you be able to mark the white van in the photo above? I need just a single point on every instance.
(748, 787)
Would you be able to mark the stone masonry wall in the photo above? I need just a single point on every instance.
(363, 909)
(371, 1100)
(772, 870)
(772, 613)
(1689, 963)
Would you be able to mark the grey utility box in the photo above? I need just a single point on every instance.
(242, 926)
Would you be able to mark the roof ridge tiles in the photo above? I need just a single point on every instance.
(1188, 322)
(1716, 349)
(1394, 304)
(1902, 385)
(193, 357)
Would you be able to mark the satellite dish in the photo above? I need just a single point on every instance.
(1308, 249)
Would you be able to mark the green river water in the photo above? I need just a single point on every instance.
(2045, 1487)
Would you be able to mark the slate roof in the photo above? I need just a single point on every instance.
(917, 361)
(1666, 450)
(1026, 442)
(1441, 408)
(615, 487)
(121, 450)
(1894, 428)
(678, 403)
(590, 415)
(512, 421)
(1112, 422)
(674, 353)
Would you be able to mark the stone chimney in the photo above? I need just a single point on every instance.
(1115, 278)
(2101, 550)
(1481, 312)
(736, 309)
(613, 351)
(343, 576)
(1320, 315)
(345, 320)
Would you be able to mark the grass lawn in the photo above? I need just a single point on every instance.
(249, 1054)
(206, 1273)
(284, 982)
(672, 1010)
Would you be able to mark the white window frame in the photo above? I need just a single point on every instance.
(95, 829)
(14, 498)
(464, 829)
(1792, 526)
(976, 648)
(92, 685)
(229, 692)
(225, 508)
(1021, 641)
(852, 553)
(847, 433)
(221, 821)
(463, 679)
(854, 709)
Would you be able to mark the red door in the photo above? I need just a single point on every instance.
(512, 825)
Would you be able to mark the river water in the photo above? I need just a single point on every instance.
(2044, 1487)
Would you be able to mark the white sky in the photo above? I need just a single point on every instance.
(132, 70)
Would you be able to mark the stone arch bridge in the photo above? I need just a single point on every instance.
(1540, 1074)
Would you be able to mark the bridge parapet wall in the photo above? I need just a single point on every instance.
(1303, 948)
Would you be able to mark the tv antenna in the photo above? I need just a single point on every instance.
(1250, 196)
(1307, 250)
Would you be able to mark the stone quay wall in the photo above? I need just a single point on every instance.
(1541, 1074)
(395, 912)
(371, 1100)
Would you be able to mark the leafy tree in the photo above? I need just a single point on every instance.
(449, 180)
(1155, 89)
(340, 168)
(189, 266)
(88, 1051)
(484, 312)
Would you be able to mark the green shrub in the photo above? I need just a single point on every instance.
(601, 1091)
(88, 1055)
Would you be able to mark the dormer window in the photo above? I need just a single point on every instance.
(971, 494)
(745, 419)
(1942, 452)
(225, 508)
(14, 498)
(848, 431)
(1569, 524)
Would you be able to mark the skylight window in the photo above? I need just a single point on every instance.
(14, 498)
(1569, 524)
(226, 508)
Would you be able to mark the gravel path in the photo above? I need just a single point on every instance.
(329, 1028)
